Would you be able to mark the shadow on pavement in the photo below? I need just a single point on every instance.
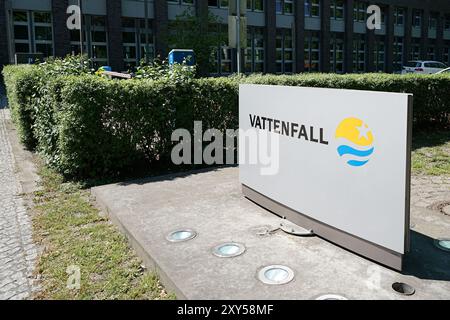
(172, 176)
(425, 261)
(3, 100)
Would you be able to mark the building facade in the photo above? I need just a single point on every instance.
(283, 36)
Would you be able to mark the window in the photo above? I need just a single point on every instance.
(285, 51)
(438, 65)
(312, 8)
(359, 11)
(134, 41)
(33, 32)
(21, 31)
(255, 5)
(337, 52)
(221, 55)
(399, 16)
(447, 22)
(284, 6)
(433, 20)
(20, 16)
(99, 47)
(379, 54)
(446, 53)
(417, 18)
(254, 53)
(431, 51)
(188, 2)
(42, 17)
(43, 33)
(312, 52)
(415, 49)
(359, 53)
(225, 60)
(143, 36)
(383, 15)
(337, 9)
(219, 3)
(95, 39)
(75, 39)
(413, 64)
(398, 53)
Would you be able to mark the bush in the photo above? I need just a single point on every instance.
(111, 127)
(20, 82)
(27, 87)
(431, 104)
(89, 127)
(162, 70)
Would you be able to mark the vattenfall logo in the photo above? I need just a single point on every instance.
(353, 136)
(356, 140)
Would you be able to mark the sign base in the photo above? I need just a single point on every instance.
(357, 245)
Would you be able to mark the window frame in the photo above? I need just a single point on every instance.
(358, 40)
(334, 7)
(334, 37)
(308, 57)
(309, 5)
(31, 26)
(399, 13)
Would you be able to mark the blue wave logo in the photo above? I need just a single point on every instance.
(357, 142)
(344, 149)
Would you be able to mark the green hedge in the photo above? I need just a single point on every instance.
(20, 82)
(431, 104)
(90, 127)
(87, 126)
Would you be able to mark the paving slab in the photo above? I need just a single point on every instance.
(17, 248)
(211, 202)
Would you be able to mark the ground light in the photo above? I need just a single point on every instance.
(331, 297)
(229, 250)
(276, 275)
(443, 244)
(181, 235)
(403, 288)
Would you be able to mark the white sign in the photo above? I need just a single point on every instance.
(343, 157)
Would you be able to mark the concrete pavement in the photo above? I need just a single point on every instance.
(211, 203)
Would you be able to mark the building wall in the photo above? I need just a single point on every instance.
(160, 12)
(61, 32)
(4, 58)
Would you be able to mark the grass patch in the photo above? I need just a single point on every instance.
(71, 232)
(431, 153)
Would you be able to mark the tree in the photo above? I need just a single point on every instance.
(189, 31)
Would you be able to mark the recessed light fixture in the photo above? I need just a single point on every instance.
(331, 297)
(276, 274)
(229, 250)
(443, 244)
(181, 235)
(403, 288)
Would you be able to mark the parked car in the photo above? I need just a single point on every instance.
(423, 67)
(447, 70)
